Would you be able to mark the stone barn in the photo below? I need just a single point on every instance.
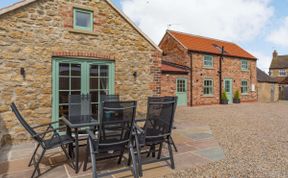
(50, 49)
(268, 88)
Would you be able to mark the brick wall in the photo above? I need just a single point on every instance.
(176, 53)
(168, 84)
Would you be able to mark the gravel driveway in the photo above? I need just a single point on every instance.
(254, 138)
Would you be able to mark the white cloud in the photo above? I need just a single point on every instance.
(236, 20)
(280, 35)
(264, 60)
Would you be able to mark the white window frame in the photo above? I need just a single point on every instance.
(282, 73)
(209, 87)
(211, 61)
(242, 87)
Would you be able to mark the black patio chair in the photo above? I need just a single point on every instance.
(56, 140)
(105, 98)
(80, 105)
(114, 135)
(156, 131)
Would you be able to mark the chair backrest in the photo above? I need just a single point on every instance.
(160, 115)
(27, 127)
(106, 98)
(109, 98)
(116, 123)
(79, 105)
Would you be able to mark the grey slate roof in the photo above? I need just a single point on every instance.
(263, 77)
(279, 62)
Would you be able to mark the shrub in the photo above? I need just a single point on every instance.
(224, 96)
(237, 95)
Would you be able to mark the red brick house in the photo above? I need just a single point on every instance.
(198, 69)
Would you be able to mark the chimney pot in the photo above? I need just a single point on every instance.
(275, 53)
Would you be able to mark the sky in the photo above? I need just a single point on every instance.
(258, 26)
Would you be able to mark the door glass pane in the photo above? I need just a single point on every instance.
(227, 86)
(94, 96)
(69, 84)
(104, 71)
(94, 70)
(64, 83)
(94, 83)
(76, 70)
(76, 84)
(104, 83)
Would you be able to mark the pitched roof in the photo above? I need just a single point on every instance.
(209, 45)
(23, 3)
(263, 77)
(279, 62)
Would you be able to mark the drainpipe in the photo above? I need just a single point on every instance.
(191, 79)
(220, 73)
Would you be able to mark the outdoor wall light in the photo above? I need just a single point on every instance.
(135, 74)
(23, 72)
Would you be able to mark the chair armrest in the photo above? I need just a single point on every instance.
(140, 120)
(43, 125)
(139, 130)
(92, 135)
(48, 131)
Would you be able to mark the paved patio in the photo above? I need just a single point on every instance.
(195, 142)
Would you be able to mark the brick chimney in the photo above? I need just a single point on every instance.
(275, 53)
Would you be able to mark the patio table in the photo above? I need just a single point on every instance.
(77, 122)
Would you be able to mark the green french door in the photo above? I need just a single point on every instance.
(78, 76)
(228, 89)
(181, 92)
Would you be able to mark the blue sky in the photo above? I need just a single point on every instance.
(259, 26)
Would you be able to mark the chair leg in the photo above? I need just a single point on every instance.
(150, 150)
(139, 159)
(93, 160)
(33, 156)
(134, 169)
(37, 164)
(86, 156)
(170, 154)
(67, 156)
(154, 151)
(160, 151)
(173, 143)
(121, 156)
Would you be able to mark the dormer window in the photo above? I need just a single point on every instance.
(282, 72)
(83, 19)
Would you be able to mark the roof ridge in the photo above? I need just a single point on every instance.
(194, 35)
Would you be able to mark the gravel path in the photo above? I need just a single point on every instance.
(254, 138)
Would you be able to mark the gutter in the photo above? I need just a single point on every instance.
(191, 78)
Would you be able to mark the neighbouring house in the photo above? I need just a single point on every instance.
(52, 48)
(198, 69)
(279, 71)
(267, 88)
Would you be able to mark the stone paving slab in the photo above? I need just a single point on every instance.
(195, 142)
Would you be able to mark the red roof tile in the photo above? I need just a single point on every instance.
(209, 45)
(169, 68)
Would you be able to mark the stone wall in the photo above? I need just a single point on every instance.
(276, 73)
(30, 35)
(264, 92)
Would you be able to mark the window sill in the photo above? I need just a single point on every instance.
(244, 94)
(242, 70)
(72, 30)
(209, 68)
(208, 96)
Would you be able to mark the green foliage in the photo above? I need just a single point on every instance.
(237, 95)
(224, 96)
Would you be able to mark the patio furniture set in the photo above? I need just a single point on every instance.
(113, 133)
